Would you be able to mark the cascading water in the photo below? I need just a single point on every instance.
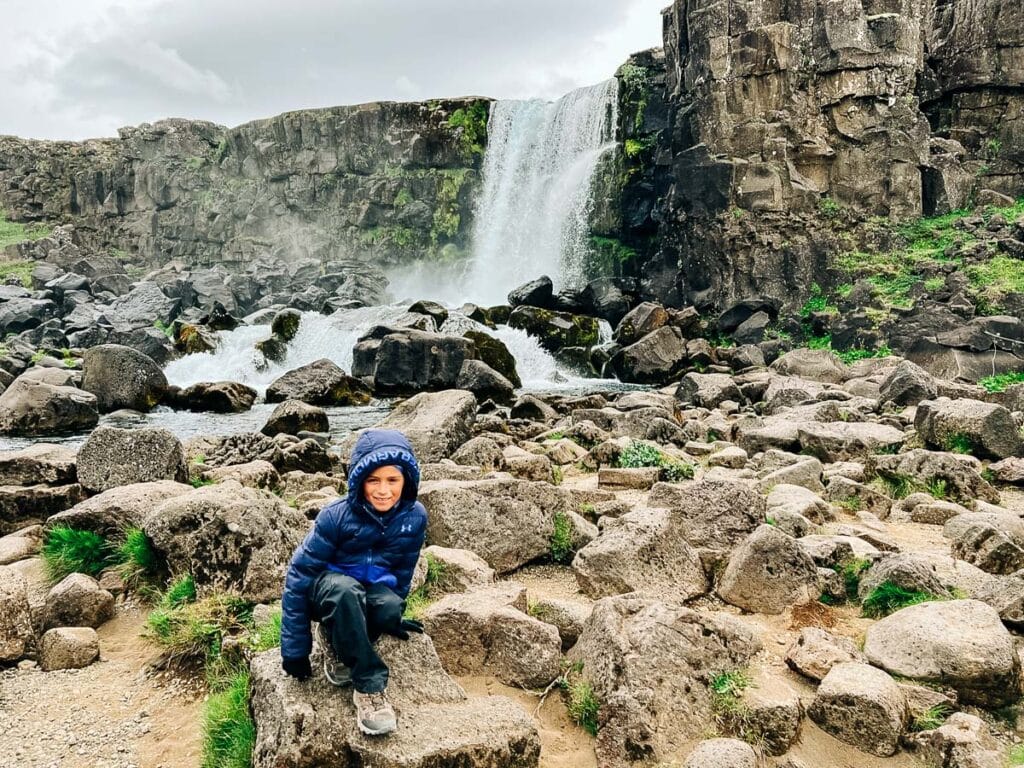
(532, 217)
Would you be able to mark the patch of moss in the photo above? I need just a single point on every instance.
(471, 123)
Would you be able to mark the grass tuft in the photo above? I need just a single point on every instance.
(638, 454)
(69, 550)
(851, 570)
(139, 563)
(229, 733)
(418, 600)
(930, 719)
(562, 550)
(888, 598)
(582, 703)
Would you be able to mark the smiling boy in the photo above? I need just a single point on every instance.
(352, 574)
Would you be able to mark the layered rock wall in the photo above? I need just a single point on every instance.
(383, 181)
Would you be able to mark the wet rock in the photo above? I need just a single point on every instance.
(294, 416)
(230, 538)
(649, 664)
(115, 510)
(306, 725)
(507, 522)
(78, 601)
(318, 383)
(657, 358)
(555, 330)
(407, 361)
(16, 632)
(643, 319)
(215, 396)
(768, 573)
(494, 353)
(487, 630)
(862, 706)
(959, 643)
(535, 293)
(113, 456)
(68, 648)
(484, 382)
(38, 463)
(816, 651)
(532, 408)
(987, 430)
(34, 408)
(121, 377)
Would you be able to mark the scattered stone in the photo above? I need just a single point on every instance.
(707, 390)
(35, 408)
(294, 416)
(711, 513)
(567, 616)
(214, 396)
(819, 365)
(963, 741)
(984, 429)
(862, 706)
(816, 651)
(722, 753)
(769, 572)
(39, 463)
(68, 648)
(632, 478)
(841, 441)
(78, 601)
(993, 541)
(122, 377)
(117, 509)
(254, 474)
(480, 452)
(436, 423)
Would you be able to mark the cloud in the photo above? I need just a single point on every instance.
(98, 64)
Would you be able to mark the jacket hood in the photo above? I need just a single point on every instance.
(380, 448)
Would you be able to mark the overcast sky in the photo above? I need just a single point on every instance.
(72, 69)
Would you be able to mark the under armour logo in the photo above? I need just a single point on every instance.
(406, 528)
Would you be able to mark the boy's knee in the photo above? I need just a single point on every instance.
(337, 587)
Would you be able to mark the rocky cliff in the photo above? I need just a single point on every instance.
(384, 181)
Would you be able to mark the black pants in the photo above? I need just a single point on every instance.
(354, 617)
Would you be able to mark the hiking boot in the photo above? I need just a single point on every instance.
(335, 672)
(374, 713)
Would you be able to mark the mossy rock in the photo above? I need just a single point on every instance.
(494, 353)
(555, 330)
(286, 324)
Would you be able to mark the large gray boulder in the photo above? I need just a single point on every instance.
(992, 541)
(712, 513)
(16, 632)
(506, 521)
(436, 423)
(483, 381)
(310, 724)
(768, 573)
(405, 360)
(657, 358)
(122, 377)
(34, 408)
(819, 365)
(646, 551)
(959, 643)
(294, 416)
(78, 601)
(842, 441)
(984, 429)
(862, 706)
(487, 630)
(321, 382)
(708, 390)
(115, 510)
(913, 573)
(113, 456)
(908, 384)
(649, 664)
(229, 537)
(38, 463)
(215, 396)
(921, 467)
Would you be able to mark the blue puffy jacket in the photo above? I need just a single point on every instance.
(351, 538)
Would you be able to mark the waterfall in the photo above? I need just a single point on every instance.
(532, 216)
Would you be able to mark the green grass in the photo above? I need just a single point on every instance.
(12, 232)
(851, 356)
(1016, 754)
(582, 702)
(557, 475)
(817, 302)
(676, 471)
(472, 121)
(434, 582)
(851, 570)
(731, 714)
(69, 550)
(851, 503)
(180, 591)
(959, 443)
(1000, 382)
(888, 598)
(896, 486)
(930, 719)
(193, 631)
(139, 563)
(229, 733)
(938, 487)
(561, 549)
(22, 270)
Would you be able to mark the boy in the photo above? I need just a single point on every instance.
(352, 574)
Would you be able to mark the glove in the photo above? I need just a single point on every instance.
(404, 627)
(298, 668)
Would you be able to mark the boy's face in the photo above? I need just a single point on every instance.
(383, 488)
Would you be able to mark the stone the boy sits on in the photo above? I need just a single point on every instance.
(352, 574)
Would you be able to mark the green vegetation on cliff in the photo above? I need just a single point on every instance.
(472, 121)
(12, 232)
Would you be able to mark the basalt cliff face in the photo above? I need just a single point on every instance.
(771, 131)
(384, 181)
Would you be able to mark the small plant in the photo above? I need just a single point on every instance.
(228, 730)
(888, 598)
(829, 208)
(676, 471)
(167, 329)
(583, 705)
(769, 520)
(556, 435)
(587, 509)
(138, 561)
(418, 600)
(896, 486)
(200, 482)
(731, 713)
(557, 475)
(638, 454)
(938, 487)
(851, 503)
(1002, 381)
(180, 591)
(265, 635)
(960, 443)
(1016, 752)
(69, 550)
(562, 549)
(851, 571)
(193, 631)
(472, 121)
(816, 303)
(930, 719)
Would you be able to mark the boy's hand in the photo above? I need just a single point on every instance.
(299, 668)
(404, 627)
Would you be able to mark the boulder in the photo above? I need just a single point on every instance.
(21, 505)
(68, 648)
(254, 474)
(404, 361)
(20, 545)
(816, 651)
(494, 353)
(862, 706)
(535, 293)
(722, 753)
(484, 382)
(958, 643)
(530, 407)
(122, 377)
(35, 408)
(115, 510)
(319, 383)
(984, 429)
(921, 467)
(529, 466)
(78, 601)
(644, 551)
(113, 456)
(643, 319)
(214, 396)
(16, 632)
(908, 384)
(567, 616)
(507, 522)
(772, 712)
(230, 538)
(963, 741)
(819, 365)
(458, 570)
(480, 452)
(657, 358)
(712, 513)
(555, 330)
(309, 725)
(784, 501)
(487, 630)
(992, 541)
(649, 664)
(707, 390)
(294, 416)
(38, 463)
(842, 441)
(768, 573)
(908, 571)
(436, 423)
